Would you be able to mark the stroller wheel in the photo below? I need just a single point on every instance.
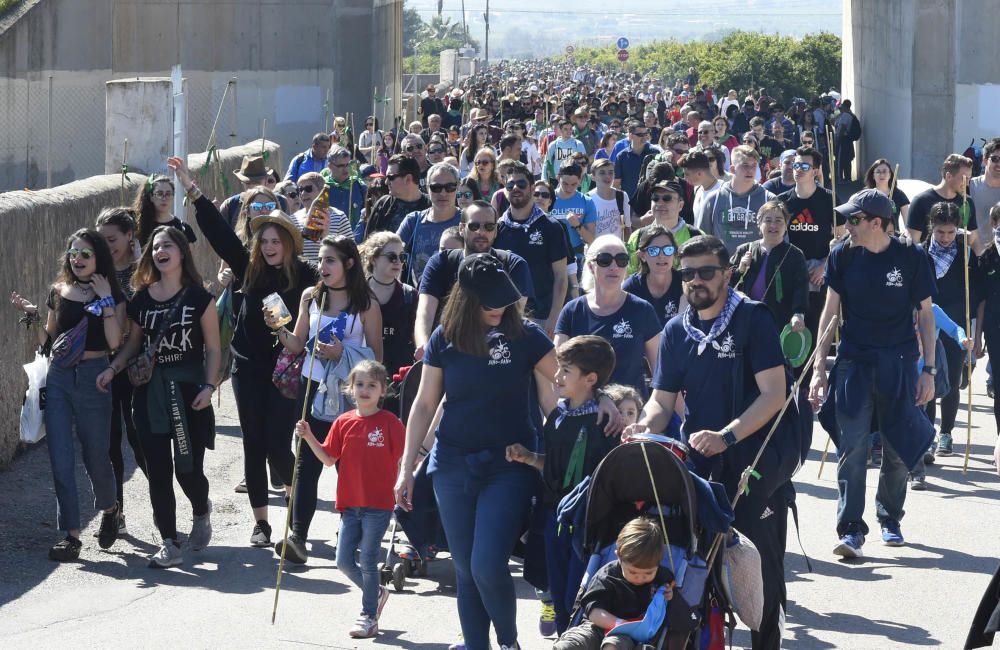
(422, 568)
(399, 576)
(384, 574)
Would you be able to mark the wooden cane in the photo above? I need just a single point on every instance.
(124, 171)
(822, 459)
(968, 329)
(263, 129)
(295, 467)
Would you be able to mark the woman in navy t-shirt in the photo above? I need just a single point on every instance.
(629, 323)
(482, 358)
(657, 281)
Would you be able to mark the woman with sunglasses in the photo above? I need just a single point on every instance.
(85, 302)
(628, 322)
(773, 271)
(881, 177)
(153, 207)
(384, 260)
(467, 193)
(290, 191)
(657, 281)
(476, 140)
(484, 172)
(267, 263)
(421, 231)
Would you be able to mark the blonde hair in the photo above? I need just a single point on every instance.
(374, 245)
(596, 246)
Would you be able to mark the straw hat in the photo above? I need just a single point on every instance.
(282, 220)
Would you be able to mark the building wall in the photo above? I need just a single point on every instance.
(295, 64)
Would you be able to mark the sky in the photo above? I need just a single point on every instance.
(515, 25)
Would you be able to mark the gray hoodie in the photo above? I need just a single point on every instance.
(730, 216)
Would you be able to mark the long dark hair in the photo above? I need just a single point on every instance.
(870, 174)
(648, 234)
(146, 272)
(243, 230)
(359, 294)
(144, 209)
(104, 264)
(463, 324)
(471, 146)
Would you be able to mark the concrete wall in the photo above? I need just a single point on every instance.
(289, 57)
(924, 76)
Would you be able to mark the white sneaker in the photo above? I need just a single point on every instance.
(365, 627)
(201, 529)
(169, 555)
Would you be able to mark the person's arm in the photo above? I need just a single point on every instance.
(545, 371)
(372, 322)
(427, 306)
(111, 317)
(560, 282)
(799, 290)
(131, 347)
(209, 322)
(428, 397)
(655, 414)
(304, 431)
(771, 384)
(294, 340)
(927, 331)
(980, 314)
(818, 388)
(652, 349)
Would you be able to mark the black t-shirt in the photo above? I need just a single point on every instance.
(68, 314)
(183, 343)
(559, 443)
(920, 207)
(769, 149)
(811, 228)
(776, 187)
(610, 591)
(398, 316)
(899, 199)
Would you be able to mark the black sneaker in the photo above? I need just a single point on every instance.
(66, 550)
(108, 532)
(296, 551)
(261, 536)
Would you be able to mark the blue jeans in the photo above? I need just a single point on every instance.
(565, 570)
(362, 529)
(852, 466)
(483, 514)
(74, 403)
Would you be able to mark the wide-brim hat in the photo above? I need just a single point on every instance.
(478, 113)
(796, 345)
(282, 220)
(251, 168)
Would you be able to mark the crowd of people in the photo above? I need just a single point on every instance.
(573, 258)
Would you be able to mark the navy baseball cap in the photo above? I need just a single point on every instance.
(871, 202)
(484, 275)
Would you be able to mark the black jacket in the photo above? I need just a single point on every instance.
(786, 295)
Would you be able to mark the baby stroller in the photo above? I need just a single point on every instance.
(422, 524)
(648, 477)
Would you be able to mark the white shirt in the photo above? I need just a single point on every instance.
(609, 220)
(700, 194)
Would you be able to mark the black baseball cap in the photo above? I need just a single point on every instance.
(484, 275)
(871, 202)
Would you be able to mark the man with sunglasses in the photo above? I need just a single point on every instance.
(985, 190)
(785, 182)
(527, 231)
(628, 163)
(413, 146)
(344, 188)
(478, 230)
(811, 228)
(723, 338)
(403, 177)
(876, 282)
(666, 205)
(421, 231)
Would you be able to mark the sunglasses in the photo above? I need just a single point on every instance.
(435, 151)
(292, 194)
(855, 219)
(307, 189)
(802, 166)
(654, 251)
(704, 272)
(604, 260)
(467, 194)
(342, 166)
(641, 134)
(393, 257)
(413, 147)
(392, 177)
(520, 184)
(665, 198)
(160, 194)
(542, 195)
(259, 207)
(438, 188)
(85, 253)
(474, 226)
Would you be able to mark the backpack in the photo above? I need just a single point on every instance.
(854, 130)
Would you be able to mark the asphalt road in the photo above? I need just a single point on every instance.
(923, 594)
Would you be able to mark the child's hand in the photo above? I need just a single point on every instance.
(669, 592)
(517, 453)
(967, 344)
(302, 429)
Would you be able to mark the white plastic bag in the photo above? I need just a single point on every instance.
(33, 408)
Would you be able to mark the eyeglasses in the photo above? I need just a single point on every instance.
(542, 195)
(474, 226)
(85, 253)
(292, 194)
(260, 207)
(520, 184)
(307, 189)
(665, 198)
(437, 188)
(654, 251)
(393, 257)
(802, 166)
(160, 194)
(616, 126)
(604, 260)
(704, 272)
(483, 163)
(467, 194)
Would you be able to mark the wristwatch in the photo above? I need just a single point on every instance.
(728, 437)
(930, 370)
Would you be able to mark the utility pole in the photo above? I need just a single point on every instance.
(486, 17)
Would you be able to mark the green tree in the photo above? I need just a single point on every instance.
(412, 25)
(430, 38)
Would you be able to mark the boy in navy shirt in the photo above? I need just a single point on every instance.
(574, 445)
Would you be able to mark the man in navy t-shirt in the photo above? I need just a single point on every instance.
(704, 352)
(479, 230)
(876, 282)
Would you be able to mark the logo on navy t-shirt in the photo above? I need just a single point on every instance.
(670, 309)
(894, 278)
(727, 349)
(499, 353)
(535, 238)
(622, 330)
(376, 438)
